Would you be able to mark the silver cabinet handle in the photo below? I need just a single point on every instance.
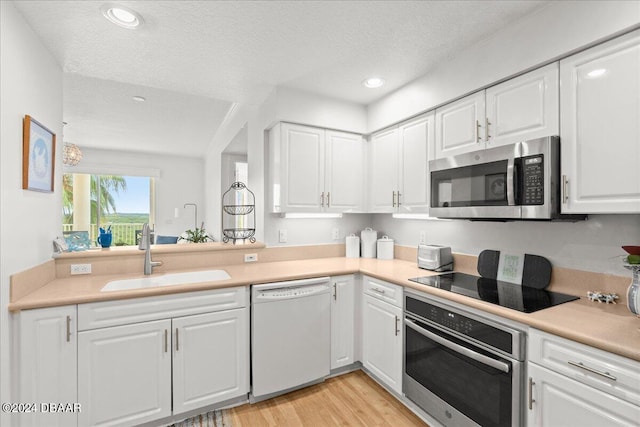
(565, 192)
(328, 199)
(380, 291)
(322, 199)
(486, 360)
(595, 371)
(177, 340)
(393, 199)
(478, 125)
(335, 292)
(396, 326)
(486, 129)
(398, 203)
(166, 340)
(531, 399)
(68, 328)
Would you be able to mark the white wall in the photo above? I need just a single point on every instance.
(547, 34)
(307, 231)
(592, 245)
(30, 83)
(179, 180)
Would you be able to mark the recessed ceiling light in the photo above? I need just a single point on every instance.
(139, 98)
(597, 73)
(122, 16)
(373, 82)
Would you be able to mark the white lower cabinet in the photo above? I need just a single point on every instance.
(571, 384)
(210, 358)
(560, 401)
(47, 364)
(342, 321)
(124, 374)
(129, 374)
(382, 340)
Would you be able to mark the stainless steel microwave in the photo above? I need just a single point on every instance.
(517, 181)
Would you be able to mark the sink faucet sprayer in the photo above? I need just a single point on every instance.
(145, 245)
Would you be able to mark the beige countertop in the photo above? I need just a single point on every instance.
(609, 327)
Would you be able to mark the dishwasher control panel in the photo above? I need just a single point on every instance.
(292, 292)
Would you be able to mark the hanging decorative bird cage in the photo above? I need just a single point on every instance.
(238, 214)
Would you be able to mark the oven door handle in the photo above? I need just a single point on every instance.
(502, 366)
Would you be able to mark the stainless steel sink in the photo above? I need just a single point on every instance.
(166, 280)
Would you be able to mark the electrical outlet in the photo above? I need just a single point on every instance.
(80, 269)
(335, 234)
(423, 237)
(282, 236)
(250, 257)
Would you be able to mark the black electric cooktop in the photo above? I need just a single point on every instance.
(509, 295)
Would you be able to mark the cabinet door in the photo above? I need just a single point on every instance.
(560, 401)
(124, 374)
(600, 135)
(416, 145)
(460, 126)
(48, 363)
(383, 171)
(382, 341)
(342, 321)
(303, 163)
(344, 172)
(210, 358)
(523, 108)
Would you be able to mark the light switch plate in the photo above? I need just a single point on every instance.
(282, 236)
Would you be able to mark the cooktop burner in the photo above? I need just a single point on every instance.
(521, 298)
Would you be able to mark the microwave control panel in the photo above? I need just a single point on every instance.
(533, 180)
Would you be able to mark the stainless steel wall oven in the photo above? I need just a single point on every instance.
(462, 369)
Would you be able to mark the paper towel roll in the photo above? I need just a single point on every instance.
(368, 239)
(352, 243)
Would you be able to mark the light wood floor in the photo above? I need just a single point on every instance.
(352, 399)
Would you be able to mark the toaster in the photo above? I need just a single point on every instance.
(435, 257)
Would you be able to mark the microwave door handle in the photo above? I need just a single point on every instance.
(516, 183)
(497, 364)
(511, 192)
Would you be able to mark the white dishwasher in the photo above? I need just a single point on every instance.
(290, 335)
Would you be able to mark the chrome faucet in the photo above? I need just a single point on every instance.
(145, 245)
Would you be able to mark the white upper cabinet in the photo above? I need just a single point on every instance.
(398, 167)
(344, 172)
(383, 171)
(522, 108)
(315, 170)
(459, 126)
(600, 128)
(303, 168)
(416, 149)
(525, 107)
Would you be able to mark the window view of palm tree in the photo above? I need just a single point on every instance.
(91, 202)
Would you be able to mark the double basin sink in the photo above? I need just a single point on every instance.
(166, 280)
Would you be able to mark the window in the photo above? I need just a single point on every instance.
(123, 203)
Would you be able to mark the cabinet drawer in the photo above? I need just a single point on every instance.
(384, 291)
(122, 312)
(605, 371)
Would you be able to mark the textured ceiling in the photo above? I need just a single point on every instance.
(237, 51)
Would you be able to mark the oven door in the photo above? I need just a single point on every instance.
(459, 383)
(481, 184)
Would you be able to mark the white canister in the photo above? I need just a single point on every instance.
(368, 239)
(385, 248)
(352, 243)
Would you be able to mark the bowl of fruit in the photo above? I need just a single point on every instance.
(632, 262)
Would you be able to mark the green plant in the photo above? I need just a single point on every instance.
(198, 235)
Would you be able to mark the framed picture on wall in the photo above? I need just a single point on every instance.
(38, 156)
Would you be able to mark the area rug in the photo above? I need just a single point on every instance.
(218, 418)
